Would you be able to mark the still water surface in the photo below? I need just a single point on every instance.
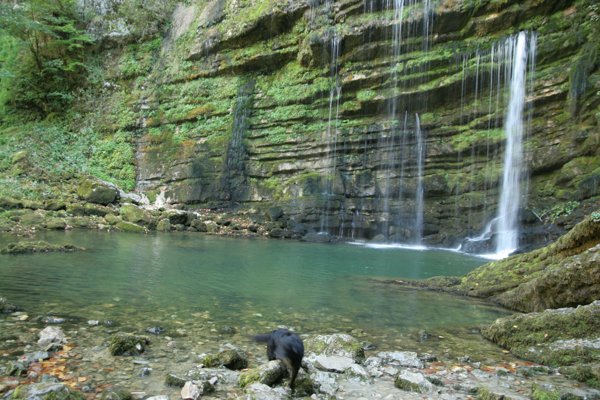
(248, 284)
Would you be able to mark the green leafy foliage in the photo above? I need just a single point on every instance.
(51, 63)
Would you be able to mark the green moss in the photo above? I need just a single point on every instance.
(123, 344)
(130, 227)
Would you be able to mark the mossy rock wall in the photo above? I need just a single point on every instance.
(349, 165)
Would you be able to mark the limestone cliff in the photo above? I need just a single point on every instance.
(343, 112)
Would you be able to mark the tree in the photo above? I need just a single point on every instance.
(53, 52)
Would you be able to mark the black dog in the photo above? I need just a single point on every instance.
(286, 346)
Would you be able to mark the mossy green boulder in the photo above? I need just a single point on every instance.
(232, 359)
(130, 227)
(97, 192)
(40, 246)
(132, 213)
(560, 337)
(122, 344)
(268, 374)
(338, 344)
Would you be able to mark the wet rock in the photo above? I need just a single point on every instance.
(413, 382)
(338, 344)
(267, 374)
(128, 345)
(561, 337)
(155, 330)
(227, 330)
(130, 227)
(320, 237)
(190, 391)
(132, 213)
(28, 358)
(326, 382)
(163, 225)
(401, 358)
(264, 392)
(52, 320)
(233, 359)
(47, 390)
(6, 307)
(117, 394)
(51, 335)
(274, 213)
(97, 192)
(174, 380)
(332, 363)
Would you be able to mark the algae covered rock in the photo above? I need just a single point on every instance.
(97, 192)
(268, 374)
(28, 247)
(127, 345)
(563, 274)
(561, 337)
(338, 344)
(130, 227)
(46, 390)
(231, 359)
(132, 213)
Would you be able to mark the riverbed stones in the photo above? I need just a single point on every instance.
(51, 335)
(47, 390)
(190, 391)
(413, 382)
(401, 358)
(332, 363)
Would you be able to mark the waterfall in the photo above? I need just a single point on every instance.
(419, 206)
(331, 134)
(510, 189)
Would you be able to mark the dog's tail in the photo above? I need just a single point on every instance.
(264, 338)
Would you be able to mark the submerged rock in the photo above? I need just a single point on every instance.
(127, 345)
(51, 335)
(6, 307)
(28, 247)
(231, 359)
(47, 390)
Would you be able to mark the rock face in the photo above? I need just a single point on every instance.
(344, 116)
(560, 337)
(563, 274)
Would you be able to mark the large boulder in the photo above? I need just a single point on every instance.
(97, 192)
(566, 336)
(338, 344)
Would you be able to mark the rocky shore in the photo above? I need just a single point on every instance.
(95, 360)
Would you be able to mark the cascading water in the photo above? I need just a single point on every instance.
(419, 203)
(510, 189)
(511, 67)
(402, 161)
(331, 135)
